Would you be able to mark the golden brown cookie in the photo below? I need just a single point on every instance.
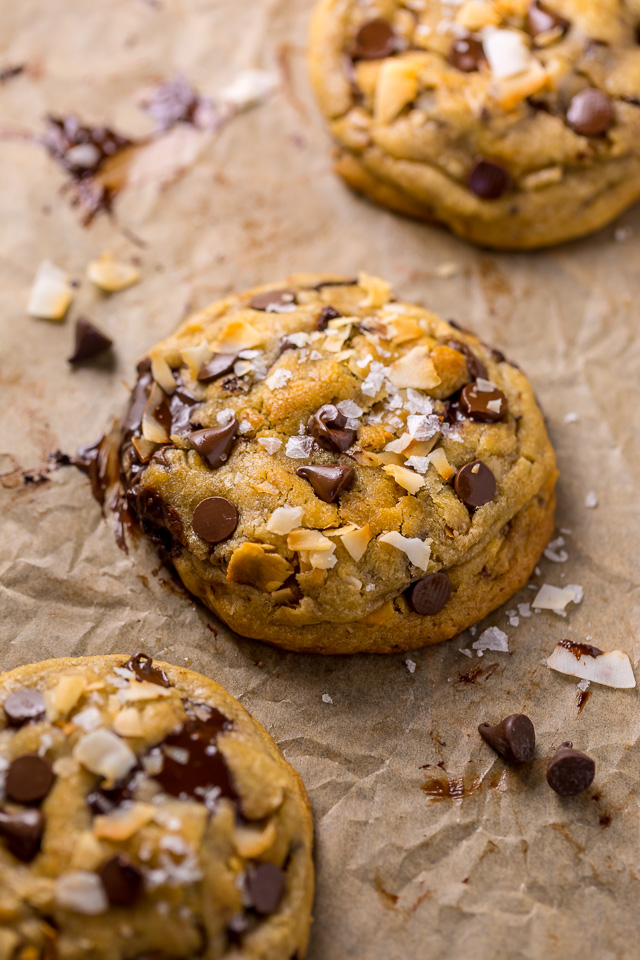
(515, 123)
(331, 469)
(144, 814)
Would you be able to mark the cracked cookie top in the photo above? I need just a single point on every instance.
(144, 814)
(323, 446)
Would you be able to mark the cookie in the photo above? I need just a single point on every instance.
(333, 470)
(515, 123)
(145, 815)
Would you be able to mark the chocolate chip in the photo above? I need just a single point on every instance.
(540, 19)
(488, 180)
(487, 406)
(181, 407)
(89, 341)
(122, 881)
(24, 706)
(214, 443)
(219, 364)
(22, 832)
(590, 112)
(429, 595)
(328, 313)
(215, 519)
(143, 667)
(272, 300)
(475, 366)
(236, 385)
(265, 886)
(375, 40)
(328, 427)
(328, 482)
(203, 775)
(514, 738)
(570, 771)
(475, 484)
(103, 799)
(467, 54)
(29, 779)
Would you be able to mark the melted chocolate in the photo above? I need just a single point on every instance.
(580, 649)
(143, 667)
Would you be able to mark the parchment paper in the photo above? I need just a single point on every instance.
(507, 870)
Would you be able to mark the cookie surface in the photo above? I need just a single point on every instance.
(145, 815)
(311, 454)
(515, 123)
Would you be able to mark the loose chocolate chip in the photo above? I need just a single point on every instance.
(215, 519)
(29, 779)
(581, 649)
(272, 300)
(328, 482)
(514, 738)
(122, 881)
(265, 887)
(203, 775)
(328, 313)
(143, 667)
(540, 19)
(488, 180)
(475, 366)
(22, 832)
(429, 595)
(590, 112)
(328, 427)
(375, 40)
(467, 54)
(23, 706)
(475, 484)
(214, 443)
(487, 406)
(570, 771)
(89, 341)
(219, 364)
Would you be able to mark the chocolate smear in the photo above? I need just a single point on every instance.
(29, 779)
(579, 649)
(214, 443)
(90, 342)
(514, 738)
(475, 484)
(215, 519)
(570, 771)
(429, 595)
(22, 833)
(142, 666)
(327, 482)
(328, 427)
(24, 706)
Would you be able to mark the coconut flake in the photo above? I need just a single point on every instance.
(81, 892)
(491, 639)
(50, 294)
(553, 598)
(506, 51)
(299, 448)
(104, 753)
(485, 386)
(611, 669)
(554, 553)
(284, 519)
(571, 417)
(111, 275)
(248, 88)
(89, 719)
(271, 444)
(415, 549)
(407, 479)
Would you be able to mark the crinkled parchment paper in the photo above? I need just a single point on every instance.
(505, 868)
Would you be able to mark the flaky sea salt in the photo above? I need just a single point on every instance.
(410, 665)
(270, 444)
(326, 698)
(571, 417)
(224, 416)
(375, 378)
(491, 639)
(278, 379)
(524, 609)
(244, 427)
(349, 409)
(591, 500)
(299, 448)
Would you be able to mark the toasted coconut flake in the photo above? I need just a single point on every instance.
(377, 291)
(308, 540)
(81, 892)
(553, 598)
(62, 698)
(507, 52)
(284, 519)
(322, 559)
(144, 448)
(50, 294)
(405, 478)
(415, 549)
(513, 90)
(153, 429)
(251, 841)
(142, 690)
(356, 542)
(397, 446)
(414, 369)
(611, 669)
(128, 723)
(123, 822)
(112, 275)
(396, 86)
(238, 335)
(340, 531)
(162, 373)
(196, 357)
(255, 565)
(439, 459)
(104, 753)
(476, 14)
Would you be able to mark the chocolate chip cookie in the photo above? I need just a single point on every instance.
(334, 470)
(514, 122)
(144, 814)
